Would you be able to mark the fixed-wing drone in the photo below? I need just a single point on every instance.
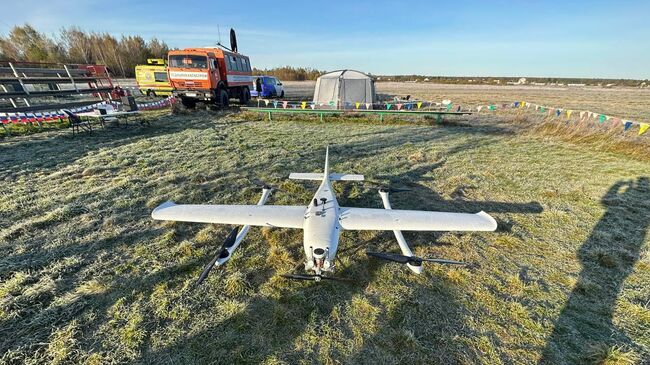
(322, 222)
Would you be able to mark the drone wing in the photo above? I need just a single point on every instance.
(254, 215)
(413, 220)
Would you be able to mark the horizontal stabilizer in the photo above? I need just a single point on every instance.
(306, 176)
(346, 177)
(319, 176)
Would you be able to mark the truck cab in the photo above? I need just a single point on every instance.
(152, 78)
(210, 75)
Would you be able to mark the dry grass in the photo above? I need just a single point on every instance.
(87, 277)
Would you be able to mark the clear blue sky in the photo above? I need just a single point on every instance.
(464, 38)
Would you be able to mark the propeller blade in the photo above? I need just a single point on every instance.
(445, 262)
(264, 185)
(390, 257)
(207, 269)
(411, 259)
(231, 238)
(393, 190)
(221, 253)
(386, 188)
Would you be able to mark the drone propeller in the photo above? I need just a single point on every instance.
(264, 185)
(385, 188)
(221, 253)
(312, 277)
(411, 259)
(388, 189)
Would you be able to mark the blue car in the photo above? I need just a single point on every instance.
(269, 87)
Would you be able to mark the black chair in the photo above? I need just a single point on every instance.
(76, 123)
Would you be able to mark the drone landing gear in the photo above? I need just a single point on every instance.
(313, 277)
(416, 267)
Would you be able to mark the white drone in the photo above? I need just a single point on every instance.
(322, 222)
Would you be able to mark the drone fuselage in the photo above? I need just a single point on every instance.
(321, 229)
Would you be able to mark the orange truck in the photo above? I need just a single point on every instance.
(211, 75)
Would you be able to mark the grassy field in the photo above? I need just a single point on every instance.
(87, 277)
(623, 102)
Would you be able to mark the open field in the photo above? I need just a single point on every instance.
(87, 277)
(623, 102)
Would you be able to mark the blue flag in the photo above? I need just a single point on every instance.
(628, 124)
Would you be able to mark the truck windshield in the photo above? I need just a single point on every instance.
(188, 61)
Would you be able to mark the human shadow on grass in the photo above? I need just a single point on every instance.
(608, 257)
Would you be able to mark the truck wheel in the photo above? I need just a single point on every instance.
(245, 96)
(224, 100)
(188, 103)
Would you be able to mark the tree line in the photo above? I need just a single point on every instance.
(289, 73)
(73, 45)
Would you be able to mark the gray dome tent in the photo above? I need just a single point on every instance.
(342, 89)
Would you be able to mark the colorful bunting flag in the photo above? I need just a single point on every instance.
(275, 104)
(356, 105)
(643, 127)
(568, 114)
(399, 106)
(284, 104)
(312, 106)
(627, 125)
(478, 108)
(602, 118)
(492, 107)
(368, 106)
(303, 105)
(419, 104)
(388, 105)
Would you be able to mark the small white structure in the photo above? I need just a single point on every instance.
(344, 88)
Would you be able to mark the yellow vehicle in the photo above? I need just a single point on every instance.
(152, 78)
